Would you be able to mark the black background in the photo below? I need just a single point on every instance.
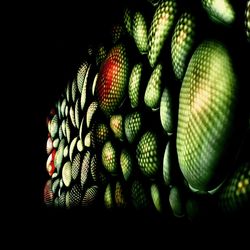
(44, 44)
(58, 37)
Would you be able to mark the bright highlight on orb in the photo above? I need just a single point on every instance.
(219, 10)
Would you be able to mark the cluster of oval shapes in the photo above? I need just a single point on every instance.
(146, 120)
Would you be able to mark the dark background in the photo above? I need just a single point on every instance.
(43, 43)
(58, 38)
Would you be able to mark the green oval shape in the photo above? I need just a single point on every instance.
(206, 110)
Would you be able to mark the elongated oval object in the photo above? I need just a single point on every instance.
(167, 112)
(134, 85)
(153, 91)
(206, 111)
(247, 21)
(160, 27)
(220, 11)
(182, 43)
(140, 32)
(147, 154)
(113, 80)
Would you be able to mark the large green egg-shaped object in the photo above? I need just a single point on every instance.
(206, 112)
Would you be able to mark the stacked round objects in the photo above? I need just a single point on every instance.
(153, 119)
